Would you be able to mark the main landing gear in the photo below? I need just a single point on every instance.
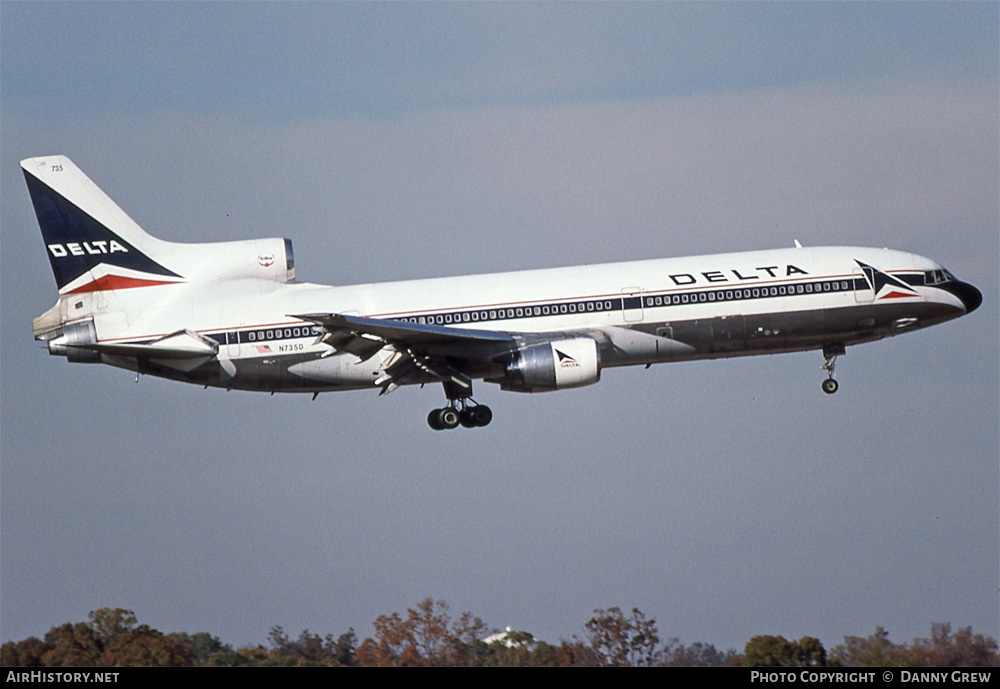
(830, 355)
(452, 416)
(459, 411)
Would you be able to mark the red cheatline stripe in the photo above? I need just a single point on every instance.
(897, 295)
(110, 282)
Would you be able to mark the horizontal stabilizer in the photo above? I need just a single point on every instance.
(183, 344)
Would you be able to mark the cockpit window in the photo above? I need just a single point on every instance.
(936, 277)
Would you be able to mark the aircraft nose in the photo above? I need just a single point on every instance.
(970, 296)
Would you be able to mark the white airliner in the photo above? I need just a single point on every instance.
(232, 315)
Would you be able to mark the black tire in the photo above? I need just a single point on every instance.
(434, 420)
(830, 386)
(449, 418)
(468, 418)
(481, 415)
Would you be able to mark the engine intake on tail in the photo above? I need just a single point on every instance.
(261, 259)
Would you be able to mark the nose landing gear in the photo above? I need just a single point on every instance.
(830, 355)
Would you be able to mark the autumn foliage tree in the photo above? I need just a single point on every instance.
(112, 638)
(776, 651)
(426, 637)
(624, 641)
(874, 650)
(943, 649)
(308, 649)
(698, 654)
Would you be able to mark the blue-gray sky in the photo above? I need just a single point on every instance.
(389, 141)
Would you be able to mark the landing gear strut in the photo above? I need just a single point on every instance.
(830, 355)
(459, 410)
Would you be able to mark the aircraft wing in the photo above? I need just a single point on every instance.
(420, 349)
(400, 332)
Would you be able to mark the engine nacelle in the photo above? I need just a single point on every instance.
(555, 365)
(260, 259)
(252, 259)
(68, 343)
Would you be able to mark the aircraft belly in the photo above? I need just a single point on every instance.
(337, 370)
(772, 332)
(625, 346)
(267, 374)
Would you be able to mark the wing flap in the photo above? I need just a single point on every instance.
(364, 337)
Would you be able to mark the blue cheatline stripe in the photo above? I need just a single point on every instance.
(648, 300)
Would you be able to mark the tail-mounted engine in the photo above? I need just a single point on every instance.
(68, 342)
(262, 259)
(554, 365)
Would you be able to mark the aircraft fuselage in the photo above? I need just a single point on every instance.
(231, 315)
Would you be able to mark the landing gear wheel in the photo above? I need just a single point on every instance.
(434, 421)
(482, 415)
(477, 416)
(443, 419)
(830, 354)
(448, 418)
(461, 409)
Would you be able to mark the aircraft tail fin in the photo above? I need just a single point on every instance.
(92, 244)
